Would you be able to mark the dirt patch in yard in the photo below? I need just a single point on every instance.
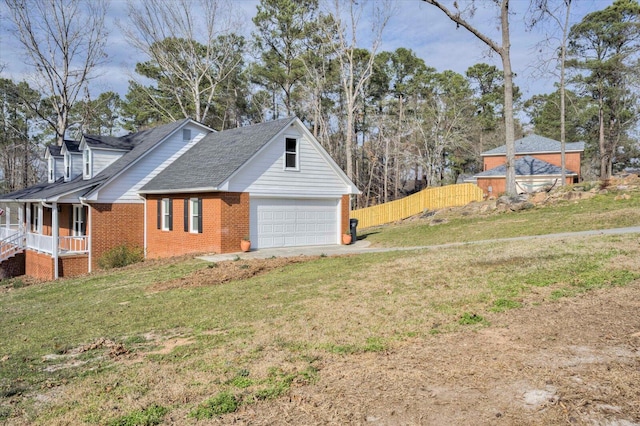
(574, 361)
(221, 272)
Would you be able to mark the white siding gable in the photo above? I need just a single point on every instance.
(124, 188)
(265, 174)
(103, 158)
(76, 165)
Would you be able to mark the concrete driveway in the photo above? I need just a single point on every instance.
(364, 246)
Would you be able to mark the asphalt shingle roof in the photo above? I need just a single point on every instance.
(54, 150)
(141, 142)
(108, 142)
(215, 158)
(72, 146)
(526, 166)
(535, 144)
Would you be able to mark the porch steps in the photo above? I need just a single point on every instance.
(11, 246)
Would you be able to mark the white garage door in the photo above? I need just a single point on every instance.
(284, 222)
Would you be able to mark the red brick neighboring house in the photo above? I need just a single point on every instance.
(538, 165)
(175, 189)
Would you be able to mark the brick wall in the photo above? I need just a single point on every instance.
(112, 225)
(235, 225)
(12, 267)
(572, 160)
(344, 214)
(38, 265)
(73, 265)
(225, 220)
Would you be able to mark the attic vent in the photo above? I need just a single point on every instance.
(186, 134)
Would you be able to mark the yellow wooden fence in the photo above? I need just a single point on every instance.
(430, 199)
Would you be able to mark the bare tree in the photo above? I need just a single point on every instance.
(353, 70)
(547, 10)
(64, 42)
(193, 48)
(504, 51)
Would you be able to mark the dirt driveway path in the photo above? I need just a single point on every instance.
(573, 361)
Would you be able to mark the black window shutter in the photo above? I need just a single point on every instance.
(199, 215)
(170, 214)
(186, 215)
(71, 224)
(160, 214)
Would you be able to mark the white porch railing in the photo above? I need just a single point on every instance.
(73, 244)
(7, 232)
(43, 243)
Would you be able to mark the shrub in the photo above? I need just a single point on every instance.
(120, 256)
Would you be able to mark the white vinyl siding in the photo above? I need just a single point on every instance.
(124, 188)
(288, 222)
(59, 167)
(102, 158)
(264, 174)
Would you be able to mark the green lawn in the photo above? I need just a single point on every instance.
(195, 353)
(600, 212)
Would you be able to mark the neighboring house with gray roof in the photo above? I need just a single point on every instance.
(538, 165)
(175, 189)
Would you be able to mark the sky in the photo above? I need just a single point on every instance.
(415, 25)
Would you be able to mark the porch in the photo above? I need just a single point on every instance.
(36, 227)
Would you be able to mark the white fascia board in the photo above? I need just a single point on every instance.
(180, 191)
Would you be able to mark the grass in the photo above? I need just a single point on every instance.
(198, 353)
(600, 212)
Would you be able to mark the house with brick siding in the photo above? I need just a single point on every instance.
(174, 189)
(537, 165)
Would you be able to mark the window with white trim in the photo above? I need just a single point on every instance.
(79, 219)
(291, 153)
(67, 166)
(165, 214)
(36, 218)
(52, 169)
(195, 217)
(86, 162)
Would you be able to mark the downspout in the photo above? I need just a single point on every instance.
(144, 231)
(83, 202)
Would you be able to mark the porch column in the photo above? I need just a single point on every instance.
(27, 224)
(21, 226)
(54, 236)
(7, 218)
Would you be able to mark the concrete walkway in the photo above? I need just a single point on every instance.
(364, 246)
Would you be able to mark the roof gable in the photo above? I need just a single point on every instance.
(536, 144)
(215, 158)
(142, 142)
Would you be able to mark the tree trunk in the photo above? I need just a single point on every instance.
(508, 100)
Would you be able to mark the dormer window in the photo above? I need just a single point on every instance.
(86, 163)
(67, 166)
(291, 154)
(186, 135)
(52, 169)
